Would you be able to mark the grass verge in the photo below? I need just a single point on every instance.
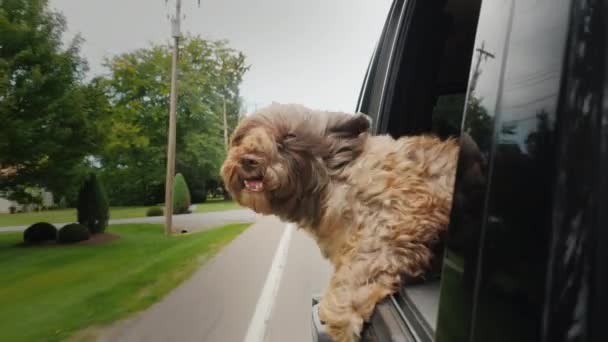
(216, 205)
(47, 293)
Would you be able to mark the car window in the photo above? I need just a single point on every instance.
(447, 115)
(505, 202)
(433, 64)
(462, 248)
(511, 283)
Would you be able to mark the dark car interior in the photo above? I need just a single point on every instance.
(430, 83)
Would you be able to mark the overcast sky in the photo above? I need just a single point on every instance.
(313, 52)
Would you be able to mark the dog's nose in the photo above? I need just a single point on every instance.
(249, 163)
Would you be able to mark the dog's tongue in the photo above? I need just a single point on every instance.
(254, 185)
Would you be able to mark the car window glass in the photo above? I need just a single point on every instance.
(447, 115)
(509, 123)
(511, 282)
(462, 248)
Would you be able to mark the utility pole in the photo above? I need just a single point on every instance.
(225, 124)
(482, 54)
(175, 30)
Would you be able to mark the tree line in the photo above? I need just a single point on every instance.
(58, 126)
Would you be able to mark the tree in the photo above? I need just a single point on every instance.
(181, 195)
(479, 122)
(133, 160)
(93, 210)
(47, 126)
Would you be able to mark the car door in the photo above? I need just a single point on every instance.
(523, 260)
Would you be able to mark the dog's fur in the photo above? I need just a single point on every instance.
(374, 205)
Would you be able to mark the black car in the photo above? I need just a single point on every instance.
(524, 84)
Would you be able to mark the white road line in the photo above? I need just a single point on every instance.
(259, 322)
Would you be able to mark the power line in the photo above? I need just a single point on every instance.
(531, 82)
(537, 100)
(531, 76)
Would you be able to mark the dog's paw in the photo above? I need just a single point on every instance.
(346, 328)
(343, 334)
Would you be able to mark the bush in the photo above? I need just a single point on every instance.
(198, 195)
(181, 195)
(155, 211)
(73, 232)
(93, 211)
(40, 232)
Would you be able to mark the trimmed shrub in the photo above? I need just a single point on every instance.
(72, 233)
(40, 232)
(181, 195)
(155, 211)
(93, 210)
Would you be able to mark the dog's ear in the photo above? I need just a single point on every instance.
(347, 125)
(346, 134)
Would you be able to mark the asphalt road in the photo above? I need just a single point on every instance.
(219, 301)
(306, 274)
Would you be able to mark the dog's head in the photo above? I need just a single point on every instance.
(281, 157)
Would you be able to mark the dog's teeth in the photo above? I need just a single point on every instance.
(254, 185)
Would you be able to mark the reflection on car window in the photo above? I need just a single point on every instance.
(461, 255)
(512, 280)
(515, 86)
(447, 115)
(575, 305)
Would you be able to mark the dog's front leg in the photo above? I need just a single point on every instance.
(351, 297)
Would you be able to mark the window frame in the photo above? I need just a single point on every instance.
(373, 91)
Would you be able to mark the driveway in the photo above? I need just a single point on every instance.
(189, 221)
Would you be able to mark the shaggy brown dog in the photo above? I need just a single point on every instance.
(374, 205)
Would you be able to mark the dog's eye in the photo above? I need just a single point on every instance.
(281, 143)
(236, 140)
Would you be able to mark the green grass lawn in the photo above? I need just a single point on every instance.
(47, 293)
(216, 205)
(69, 215)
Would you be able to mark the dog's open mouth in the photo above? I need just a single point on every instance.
(254, 184)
